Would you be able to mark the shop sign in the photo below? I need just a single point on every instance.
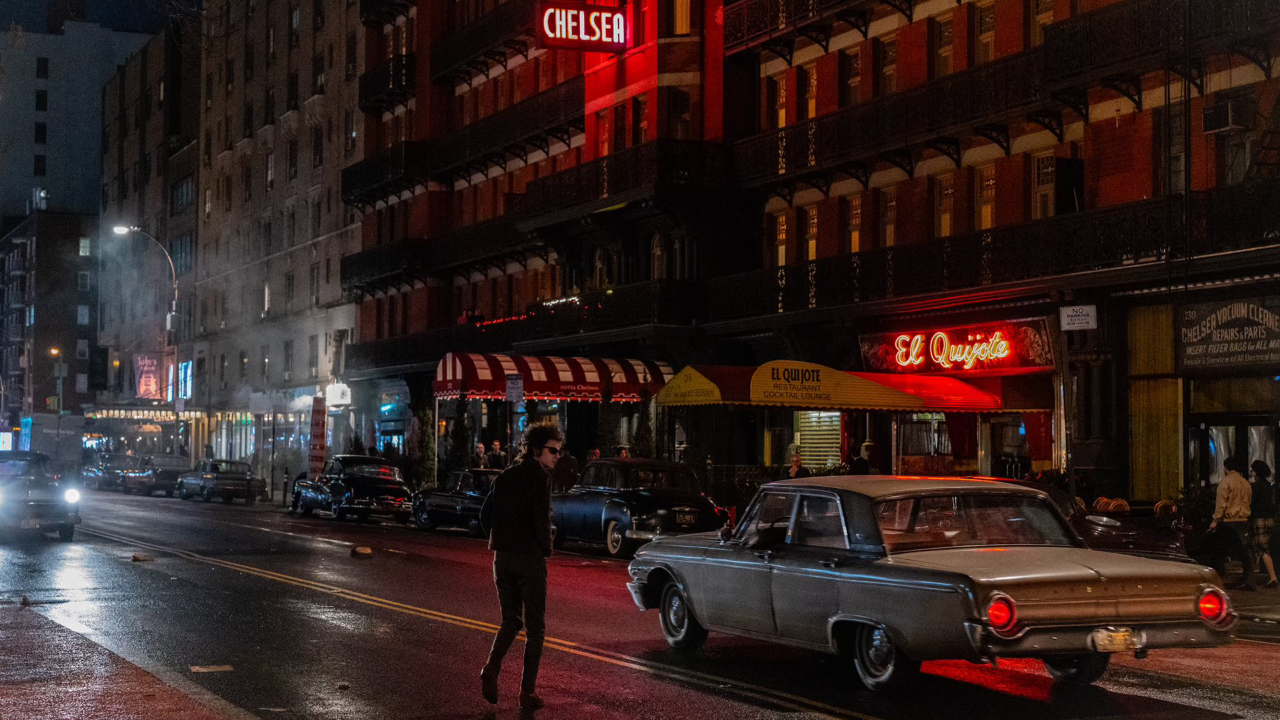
(1011, 346)
(337, 395)
(319, 423)
(690, 387)
(800, 384)
(581, 26)
(146, 376)
(1078, 317)
(1229, 333)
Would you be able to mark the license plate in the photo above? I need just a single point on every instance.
(686, 518)
(30, 523)
(1112, 640)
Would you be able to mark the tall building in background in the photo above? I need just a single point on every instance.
(50, 119)
(150, 160)
(279, 121)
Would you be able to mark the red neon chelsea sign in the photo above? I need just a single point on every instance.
(580, 26)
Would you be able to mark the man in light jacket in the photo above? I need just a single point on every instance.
(1232, 511)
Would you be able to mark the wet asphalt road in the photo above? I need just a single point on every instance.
(310, 632)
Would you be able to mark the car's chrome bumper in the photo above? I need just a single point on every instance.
(1061, 640)
(637, 593)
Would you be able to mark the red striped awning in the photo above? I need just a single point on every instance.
(484, 377)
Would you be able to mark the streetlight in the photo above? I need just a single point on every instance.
(173, 273)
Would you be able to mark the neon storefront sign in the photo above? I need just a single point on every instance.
(950, 354)
(581, 26)
(998, 348)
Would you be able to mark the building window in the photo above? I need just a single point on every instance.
(82, 314)
(82, 382)
(291, 159)
(1175, 165)
(248, 62)
(230, 74)
(1041, 18)
(888, 217)
(39, 168)
(244, 365)
(313, 285)
(42, 67)
(942, 43)
(271, 170)
(985, 200)
(42, 133)
(313, 355)
(348, 131)
(246, 179)
(887, 66)
(984, 31)
(602, 133)
(82, 281)
(778, 92)
(317, 14)
(317, 74)
(82, 349)
(944, 191)
(286, 365)
(851, 77)
(266, 299)
(1042, 187)
(86, 247)
(266, 363)
(639, 119)
(808, 82)
(315, 217)
(295, 26)
(271, 44)
(42, 101)
(809, 219)
(851, 216)
(247, 132)
(317, 146)
(658, 258)
(208, 202)
(291, 92)
(679, 114)
(351, 55)
(780, 238)
(269, 107)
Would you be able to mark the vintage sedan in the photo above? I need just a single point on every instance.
(108, 470)
(358, 485)
(892, 571)
(156, 473)
(623, 502)
(226, 479)
(456, 502)
(31, 498)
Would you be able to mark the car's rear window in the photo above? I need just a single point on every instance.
(660, 478)
(171, 462)
(225, 466)
(122, 462)
(969, 520)
(374, 471)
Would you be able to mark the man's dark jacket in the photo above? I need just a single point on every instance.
(517, 513)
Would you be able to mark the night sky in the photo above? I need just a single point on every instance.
(128, 15)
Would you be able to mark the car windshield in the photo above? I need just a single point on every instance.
(170, 462)
(35, 467)
(969, 520)
(374, 471)
(226, 466)
(644, 478)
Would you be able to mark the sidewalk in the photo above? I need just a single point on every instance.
(48, 672)
(1261, 605)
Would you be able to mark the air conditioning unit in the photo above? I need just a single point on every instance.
(1222, 117)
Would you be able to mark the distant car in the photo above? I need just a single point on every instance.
(1143, 537)
(107, 473)
(226, 479)
(156, 473)
(359, 485)
(892, 571)
(456, 502)
(623, 502)
(31, 498)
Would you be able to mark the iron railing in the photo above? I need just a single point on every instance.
(389, 85)
(376, 13)
(491, 33)
(752, 22)
(401, 168)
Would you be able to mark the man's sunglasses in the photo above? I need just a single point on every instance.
(552, 450)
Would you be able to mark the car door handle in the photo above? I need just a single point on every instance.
(830, 563)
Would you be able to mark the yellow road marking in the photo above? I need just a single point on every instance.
(775, 697)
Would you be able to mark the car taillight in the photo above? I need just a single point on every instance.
(1213, 605)
(1002, 613)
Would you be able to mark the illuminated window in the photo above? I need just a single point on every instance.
(778, 87)
(984, 29)
(887, 66)
(888, 216)
(851, 76)
(681, 15)
(944, 204)
(809, 88)
(809, 216)
(942, 43)
(780, 238)
(851, 212)
(1042, 187)
(659, 253)
(602, 130)
(1041, 18)
(985, 197)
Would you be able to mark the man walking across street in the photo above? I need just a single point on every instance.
(1232, 510)
(517, 515)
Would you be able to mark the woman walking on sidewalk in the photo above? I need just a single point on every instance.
(1263, 508)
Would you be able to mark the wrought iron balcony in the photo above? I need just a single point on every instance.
(472, 48)
(776, 24)
(385, 174)
(1126, 236)
(555, 114)
(656, 167)
(425, 348)
(376, 13)
(389, 85)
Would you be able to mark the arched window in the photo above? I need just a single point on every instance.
(599, 275)
(659, 254)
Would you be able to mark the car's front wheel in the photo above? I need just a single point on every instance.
(1082, 669)
(335, 510)
(67, 533)
(615, 540)
(880, 664)
(423, 520)
(681, 629)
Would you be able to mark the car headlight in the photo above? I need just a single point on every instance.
(72, 495)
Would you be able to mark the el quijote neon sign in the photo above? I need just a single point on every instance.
(582, 26)
(948, 354)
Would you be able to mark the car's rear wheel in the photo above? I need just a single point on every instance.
(616, 542)
(67, 533)
(303, 509)
(423, 520)
(681, 629)
(182, 492)
(880, 664)
(1082, 669)
(208, 495)
(335, 510)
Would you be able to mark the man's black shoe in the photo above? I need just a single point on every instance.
(489, 688)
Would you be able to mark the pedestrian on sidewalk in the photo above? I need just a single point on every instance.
(517, 516)
(496, 459)
(1232, 510)
(797, 468)
(1263, 509)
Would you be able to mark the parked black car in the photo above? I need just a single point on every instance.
(456, 502)
(358, 485)
(156, 473)
(31, 498)
(107, 471)
(226, 479)
(1149, 537)
(623, 502)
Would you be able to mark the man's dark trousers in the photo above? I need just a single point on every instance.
(522, 593)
